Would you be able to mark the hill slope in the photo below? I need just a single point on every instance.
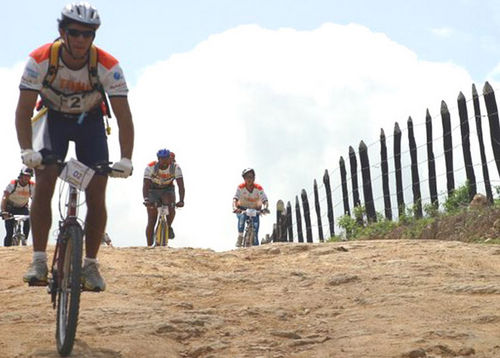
(352, 299)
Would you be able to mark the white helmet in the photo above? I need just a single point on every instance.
(81, 12)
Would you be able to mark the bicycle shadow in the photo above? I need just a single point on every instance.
(80, 350)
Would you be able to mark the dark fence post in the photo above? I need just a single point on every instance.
(354, 179)
(307, 215)
(479, 130)
(329, 203)
(431, 164)
(385, 176)
(298, 217)
(367, 183)
(415, 180)
(345, 194)
(491, 108)
(318, 212)
(465, 132)
(397, 167)
(289, 224)
(448, 148)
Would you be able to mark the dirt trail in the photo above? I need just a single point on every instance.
(351, 299)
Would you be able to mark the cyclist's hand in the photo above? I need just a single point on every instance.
(237, 210)
(31, 158)
(5, 215)
(146, 202)
(180, 204)
(265, 211)
(122, 169)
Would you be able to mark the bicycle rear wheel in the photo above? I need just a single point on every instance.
(69, 288)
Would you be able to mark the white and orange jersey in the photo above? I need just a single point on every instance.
(71, 91)
(19, 196)
(250, 199)
(162, 177)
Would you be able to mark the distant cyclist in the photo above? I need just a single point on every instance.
(15, 201)
(158, 186)
(248, 195)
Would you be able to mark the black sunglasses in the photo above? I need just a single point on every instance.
(86, 34)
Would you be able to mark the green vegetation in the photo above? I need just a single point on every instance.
(452, 222)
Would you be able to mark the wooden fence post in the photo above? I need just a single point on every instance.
(431, 165)
(329, 203)
(491, 107)
(367, 183)
(280, 221)
(343, 180)
(289, 223)
(385, 176)
(465, 132)
(318, 212)
(354, 179)
(298, 217)
(397, 167)
(415, 180)
(479, 130)
(448, 148)
(307, 215)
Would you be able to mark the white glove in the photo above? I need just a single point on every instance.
(122, 169)
(31, 158)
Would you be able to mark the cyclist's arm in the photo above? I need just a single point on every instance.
(24, 111)
(123, 116)
(180, 185)
(146, 186)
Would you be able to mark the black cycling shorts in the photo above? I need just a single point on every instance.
(89, 136)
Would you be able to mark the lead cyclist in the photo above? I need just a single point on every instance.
(73, 103)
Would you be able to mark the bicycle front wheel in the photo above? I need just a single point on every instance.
(69, 288)
(248, 238)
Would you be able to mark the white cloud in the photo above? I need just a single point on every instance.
(285, 102)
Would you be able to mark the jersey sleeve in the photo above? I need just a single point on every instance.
(9, 188)
(263, 196)
(178, 172)
(32, 76)
(147, 172)
(237, 195)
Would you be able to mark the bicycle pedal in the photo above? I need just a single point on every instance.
(37, 283)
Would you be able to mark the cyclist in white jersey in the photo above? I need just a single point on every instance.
(158, 186)
(15, 201)
(73, 99)
(251, 195)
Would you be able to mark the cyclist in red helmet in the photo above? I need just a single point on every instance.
(158, 186)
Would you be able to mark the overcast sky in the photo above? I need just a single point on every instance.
(282, 86)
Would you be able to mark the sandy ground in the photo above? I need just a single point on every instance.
(351, 299)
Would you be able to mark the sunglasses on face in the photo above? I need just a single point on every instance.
(76, 33)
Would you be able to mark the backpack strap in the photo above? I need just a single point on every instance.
(53, 63)
(15, 186)
(96, 84)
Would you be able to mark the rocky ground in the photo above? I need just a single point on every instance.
(391, 298)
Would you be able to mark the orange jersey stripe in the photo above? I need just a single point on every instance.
(42, 53)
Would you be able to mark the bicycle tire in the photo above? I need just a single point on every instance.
(68, 292)
(164, 234)
(247, 239)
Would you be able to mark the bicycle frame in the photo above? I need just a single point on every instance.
(18, 236)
